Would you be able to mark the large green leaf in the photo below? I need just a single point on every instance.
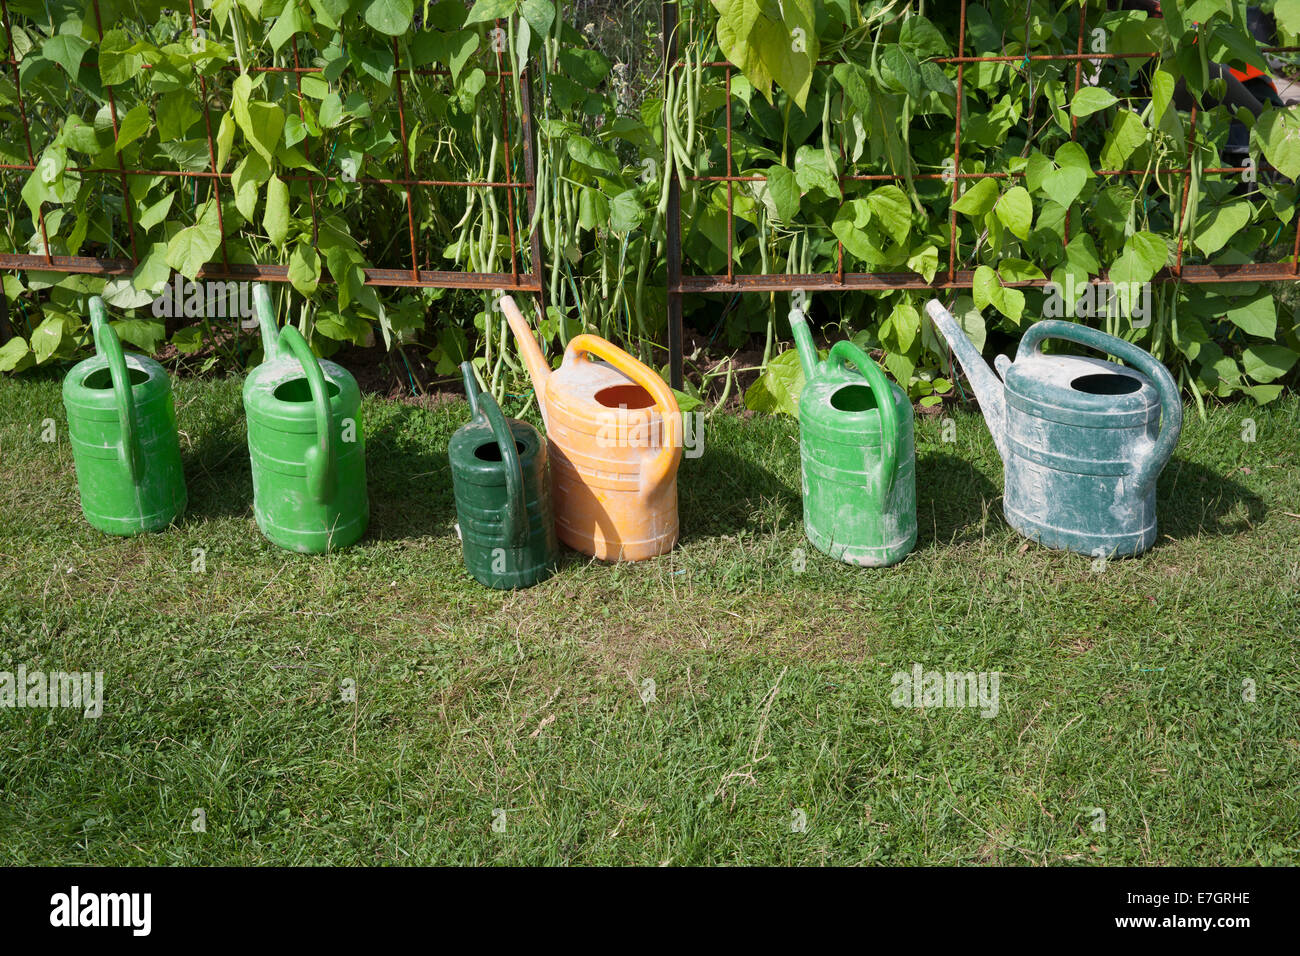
(771, 42)
(978, 199)
(1016, 211)
(1278, 134)
(392, 17)
(276, 217)
(193, 247)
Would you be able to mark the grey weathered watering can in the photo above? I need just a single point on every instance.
(1082, 440)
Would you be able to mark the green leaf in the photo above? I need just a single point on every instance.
(304, 268)
(811, 172)
(783, 188)
(391, 17)
(988, 290)
(1257, 316)
(485, 10)
(47, 338)
(978, 199)
(116, 65)
(225, 140)
(924, 261)
(290, 22)
(188, 340)
(143, 334)
(890, 207)
(1091, 99)
(1278, 134)
(134, 125)
(584, 151)
(1126, 135)
(193, 247)
(156, 213)
(849, 227)
(1287, 13)
(67, 50)
(626, 211)
(1265, 363)
(15, 355)
(777, 389)
(1016, 210)
(906, 322)
(251, 172)
(1218, 226)
(152, 272)
(275, 219)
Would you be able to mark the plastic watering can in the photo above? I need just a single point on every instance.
(615, 439)
(856, 449)
(503, 495)
(1082, 440)
(122, 426)
(305, 443)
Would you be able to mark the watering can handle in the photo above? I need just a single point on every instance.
(1150, 465)
(484, 406)
(107, 344)
(665, 463)
(850, 354)
(320, 466)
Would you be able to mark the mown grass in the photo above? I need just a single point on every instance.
(1121, 690)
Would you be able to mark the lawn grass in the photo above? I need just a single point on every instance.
(1121, 689)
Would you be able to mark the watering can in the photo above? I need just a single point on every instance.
(614, 435)
(1082, 440)
(858, 455)
(122, 426)
(503, 495)
(305, 443)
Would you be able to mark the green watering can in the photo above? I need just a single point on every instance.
(1082, 440)
(858, 455)
(122, 426)
(305, 443)
(503, 495)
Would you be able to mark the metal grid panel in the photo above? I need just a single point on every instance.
(952, 278)
(518, 279)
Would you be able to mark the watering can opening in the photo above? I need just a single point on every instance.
(299, 390)
(491, 451)
(1106, 383)
(103, 378)
(854, 398)
(625, 396)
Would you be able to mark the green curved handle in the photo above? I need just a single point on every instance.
(321, 467)
(850, 354)
(1150, 464)
(108, 345)
(265, 321)
(485, 407)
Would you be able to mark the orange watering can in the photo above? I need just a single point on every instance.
(615, 440)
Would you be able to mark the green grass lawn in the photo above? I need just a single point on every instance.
(1120, 690)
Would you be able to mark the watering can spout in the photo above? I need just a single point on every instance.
(266, 320)
(988, 387)
(804, 343)
(538, 368)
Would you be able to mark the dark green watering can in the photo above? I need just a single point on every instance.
(305, 443)
(122, 426)
(1082, 440)
(503, 495)
(858, 455)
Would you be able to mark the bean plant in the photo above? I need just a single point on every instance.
(843, 121)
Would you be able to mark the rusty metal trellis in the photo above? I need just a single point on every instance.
(952, 277)
(517, 279)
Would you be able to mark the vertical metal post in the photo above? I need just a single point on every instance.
(673, 227)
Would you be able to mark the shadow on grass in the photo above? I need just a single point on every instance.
(1193, 500)
(218, 476)
(409, 477)
(952, 496)
(723, 492)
